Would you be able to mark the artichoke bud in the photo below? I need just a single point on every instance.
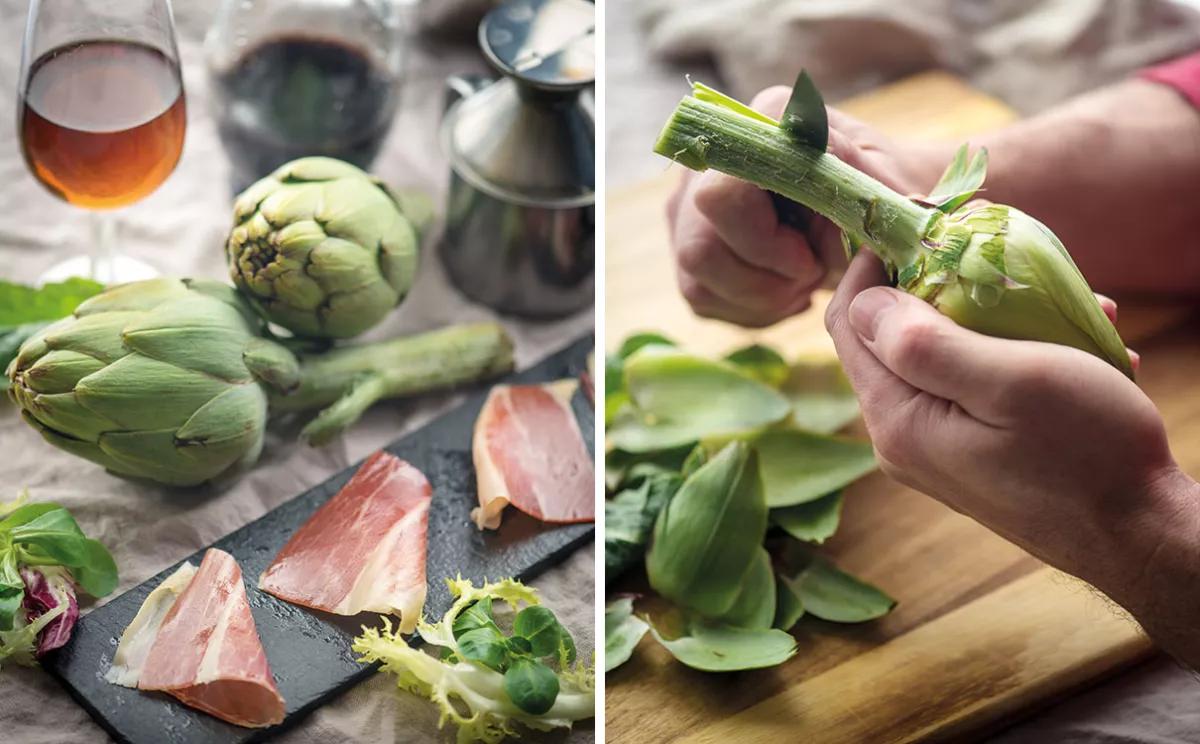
(996, 270)
(322, 248)
(708, 537)
(165, 380)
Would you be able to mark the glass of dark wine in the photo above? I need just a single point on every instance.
(101, 114)
(292, 78)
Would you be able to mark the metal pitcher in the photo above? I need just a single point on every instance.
(520, 216)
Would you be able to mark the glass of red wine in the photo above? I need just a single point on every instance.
(292, 78)
(101, 114)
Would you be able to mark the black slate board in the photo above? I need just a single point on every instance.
(309, 651)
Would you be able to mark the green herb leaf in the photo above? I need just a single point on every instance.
(821, 396)
(760, 362)
(798, 466)
(486, 646)
(755, 605)
(722, 648)
(804, 118)
(20, 304)
(541, 628)
(54, 538)
(960, 181)
(531, 686)
(834, 595)
(813, 521)
(679, 399)
(710, 533)
(622, 632)
(625, 469)
(629, 521)
(520, 646)
(477, 615)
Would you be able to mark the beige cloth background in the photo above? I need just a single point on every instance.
(180, 229)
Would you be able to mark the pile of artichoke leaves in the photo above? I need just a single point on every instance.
(724, 477)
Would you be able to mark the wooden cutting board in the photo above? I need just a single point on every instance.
(983, 632)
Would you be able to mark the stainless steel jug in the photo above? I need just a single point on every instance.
(520, 216)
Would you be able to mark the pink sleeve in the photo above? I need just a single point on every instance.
(1182, 74)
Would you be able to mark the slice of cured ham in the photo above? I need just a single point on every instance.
(194, 637)
(364, 549)
(529, 452)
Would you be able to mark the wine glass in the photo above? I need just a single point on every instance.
(101, 114)
(291, 78)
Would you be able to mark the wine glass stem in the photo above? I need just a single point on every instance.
(104, 247)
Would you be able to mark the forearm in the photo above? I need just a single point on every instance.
(1153, 567)
(1114, 174)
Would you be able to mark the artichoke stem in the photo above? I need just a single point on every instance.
(355, 377)
(702, 135)
(362, 393)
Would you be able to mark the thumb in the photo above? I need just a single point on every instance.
(933, 353)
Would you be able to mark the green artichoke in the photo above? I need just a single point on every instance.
(172, 380)
(990, 268)
(165, 379)
(322, 248)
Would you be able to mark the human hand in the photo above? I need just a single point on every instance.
(1046, 445)
(736, 261)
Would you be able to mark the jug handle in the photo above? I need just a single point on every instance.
(461, 86)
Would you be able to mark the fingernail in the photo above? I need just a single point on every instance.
(866, 310)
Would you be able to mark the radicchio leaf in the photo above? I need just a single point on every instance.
(46, 589)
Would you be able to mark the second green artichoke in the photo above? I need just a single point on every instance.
(322, 248)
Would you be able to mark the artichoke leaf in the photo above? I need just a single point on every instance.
(223, 428)
(755, 604)
(272, 363)
(760, 362)
(152, 454)
(133, 297)
(708, 536)
(95, 335)
(58, 371)
(961, 179)
(64, 413)
(799, 466)
(812, 521)
(788, 607)
(678, 398)
(834, 595)
(713, 647)
(623, 630)
(142, 393)
(196, 333)
(822, 399)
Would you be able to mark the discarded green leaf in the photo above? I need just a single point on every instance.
(821, 396)
(834, 595)
(798, 466)
(812, 521)
(722, 648)
(760, 362)
(755, 605)
(622, 632)
(710, 533)
(629, 521)
(624, 469)
(788, 607)
(679, 398)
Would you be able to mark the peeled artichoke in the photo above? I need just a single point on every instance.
(322, 248)
(165, 379)
(171, 380)
(990, 268)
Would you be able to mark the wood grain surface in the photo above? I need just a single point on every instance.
(983, 632)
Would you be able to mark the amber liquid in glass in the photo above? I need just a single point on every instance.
(102, 122)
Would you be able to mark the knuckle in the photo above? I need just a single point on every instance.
(694, 293)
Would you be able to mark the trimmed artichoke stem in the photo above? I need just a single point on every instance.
(351, 379)
(702, 135)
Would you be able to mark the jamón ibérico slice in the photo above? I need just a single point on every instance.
(195, 638)
(529, 452)
(364, 549)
